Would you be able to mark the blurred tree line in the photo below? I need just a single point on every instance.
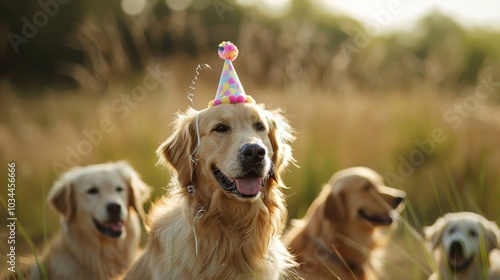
(89, 44)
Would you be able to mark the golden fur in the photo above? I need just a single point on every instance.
(335, 239)
(202, 231)
(465, 245)
(83, 197)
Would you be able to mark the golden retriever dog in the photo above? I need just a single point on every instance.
(100, 207)
(226, 212)
(465, 245)
(339, 231)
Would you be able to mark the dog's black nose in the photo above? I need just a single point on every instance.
(252, 153)
(114, 210)
(397, 201)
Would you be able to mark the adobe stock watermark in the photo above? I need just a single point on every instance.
(221, 7)
(121, 107)
(362, 37)
(461, 109)
(30, 28)
(11, 219)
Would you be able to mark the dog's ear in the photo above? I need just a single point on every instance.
(335, 206)
(138, 191)
(280, 135)
(61, 197)
(492, 235)
(434, 232)
(176, 151)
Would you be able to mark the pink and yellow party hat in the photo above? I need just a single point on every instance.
(230, 90)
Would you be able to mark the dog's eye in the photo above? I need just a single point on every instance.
(93, 190)
(368, 187)
(221, 128)
(472, 233)
(119, 189)
(451, 230)
(260, 126)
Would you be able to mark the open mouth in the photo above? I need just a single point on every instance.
(459, 264)
(376, 219)
(457, 259)
(110, 229)
(247, 186)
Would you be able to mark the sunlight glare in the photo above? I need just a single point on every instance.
(133, 7)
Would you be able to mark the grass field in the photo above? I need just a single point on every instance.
(443, 151)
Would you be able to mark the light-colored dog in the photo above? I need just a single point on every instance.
(100, 233)
(226, 214)
(465, 246)
(339, 231)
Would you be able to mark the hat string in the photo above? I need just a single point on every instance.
(190, 93)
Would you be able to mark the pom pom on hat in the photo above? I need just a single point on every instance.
(230, 90)
(228, 50)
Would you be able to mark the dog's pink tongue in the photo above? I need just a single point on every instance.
(115, 226)
(249, 185)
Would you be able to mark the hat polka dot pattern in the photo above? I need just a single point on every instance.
(230, 90)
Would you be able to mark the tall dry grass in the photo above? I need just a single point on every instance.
(375, 129)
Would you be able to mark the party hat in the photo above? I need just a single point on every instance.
(230, 89)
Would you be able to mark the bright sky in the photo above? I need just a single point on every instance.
(469, 13)
(403, 13)
(389, 14)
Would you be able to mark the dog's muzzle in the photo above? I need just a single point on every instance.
(252, 157)
(113, 227)
(457, 259)
(255, 169)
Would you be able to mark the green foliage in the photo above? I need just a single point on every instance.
(305, 46)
